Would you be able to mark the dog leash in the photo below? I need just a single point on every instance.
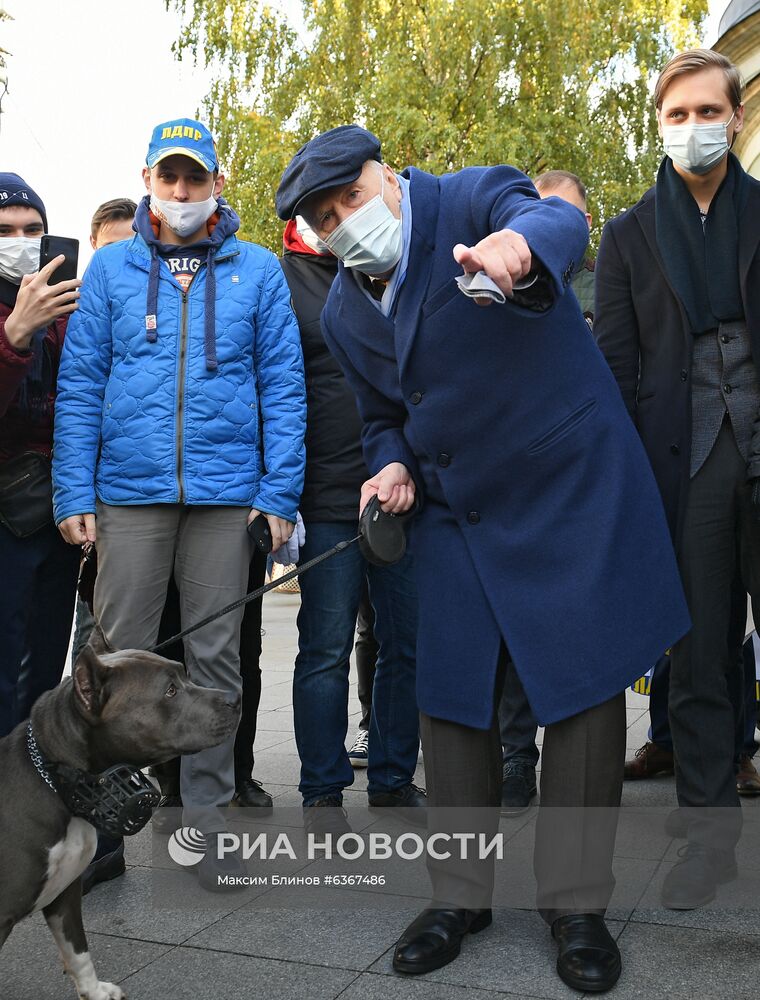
(255, 594)
(381, 538)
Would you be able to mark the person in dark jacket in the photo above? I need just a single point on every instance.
(331, 592)
(678, 319)
(540, 526)
(40, 570)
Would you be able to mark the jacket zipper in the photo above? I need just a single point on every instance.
(181, 396)
(180, 414)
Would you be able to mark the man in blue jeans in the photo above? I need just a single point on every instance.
(331, 592)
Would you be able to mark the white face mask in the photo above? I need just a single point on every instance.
(183, 217)
(370, 238)
(19, 255)
(309, 237)
(696, 148)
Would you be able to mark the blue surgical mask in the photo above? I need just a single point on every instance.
(696, 148)
(369, 239)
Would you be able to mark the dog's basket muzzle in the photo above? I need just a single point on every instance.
(118, 802)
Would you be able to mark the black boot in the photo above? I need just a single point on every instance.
(108, 863)
(693, 880)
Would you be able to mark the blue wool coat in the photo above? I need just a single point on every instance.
(542, 526)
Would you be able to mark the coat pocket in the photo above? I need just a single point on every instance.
(563, 428)
(440, 297)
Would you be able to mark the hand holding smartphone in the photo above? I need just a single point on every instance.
(52, 247)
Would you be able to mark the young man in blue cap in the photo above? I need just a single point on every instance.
(184, 338)
(540, 530)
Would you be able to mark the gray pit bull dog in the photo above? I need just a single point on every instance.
(128, 707)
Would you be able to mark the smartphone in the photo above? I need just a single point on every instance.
(52, 247)
(259, 531)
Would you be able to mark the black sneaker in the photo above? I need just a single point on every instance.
(359, 752)
(166, 819)
(408, 802)
(518, 787)
(693, 880)
(108, 863)
(250, 795)
(326, 815)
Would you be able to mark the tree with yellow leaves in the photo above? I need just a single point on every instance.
(539, 84)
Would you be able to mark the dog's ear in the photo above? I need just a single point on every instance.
(98, 642)
(89, 679)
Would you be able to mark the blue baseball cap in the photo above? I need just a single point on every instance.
(328, 160)
(182, 137)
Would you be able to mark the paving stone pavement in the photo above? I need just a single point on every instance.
(235, 950)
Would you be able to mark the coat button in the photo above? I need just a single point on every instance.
(444, 460)
(724, 338)
(675, 449)
(727, 389)
(684, 374)
(473, 517)
(415, 398)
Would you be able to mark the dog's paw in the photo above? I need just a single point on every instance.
(104, 991)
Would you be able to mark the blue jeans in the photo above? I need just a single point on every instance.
(36, 612)
(330, 595)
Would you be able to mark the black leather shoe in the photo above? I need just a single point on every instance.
(589, 958)
(220, 874)
(693, 880)
(326, 815)
(518, 787)
(250, 795)
(108, 863)
(408, 802)
(167, 818)
(434, 938)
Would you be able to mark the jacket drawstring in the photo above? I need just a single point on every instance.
(209, 320)
(151, 305)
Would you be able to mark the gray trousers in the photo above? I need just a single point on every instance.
(581, 787)
(209, 551)
(720, 540)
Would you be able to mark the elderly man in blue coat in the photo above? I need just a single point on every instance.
(541, 534)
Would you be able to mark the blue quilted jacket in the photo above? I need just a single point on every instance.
(159, 391)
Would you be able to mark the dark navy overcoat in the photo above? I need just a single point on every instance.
(541, 526)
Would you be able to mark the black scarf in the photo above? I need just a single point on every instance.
(702, 262)
(38, 382)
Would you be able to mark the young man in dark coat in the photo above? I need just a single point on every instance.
(39, 570)
(540, 528)
(678, 319)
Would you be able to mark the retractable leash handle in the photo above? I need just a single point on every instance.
(381, 538)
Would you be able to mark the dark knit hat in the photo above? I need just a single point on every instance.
(15, 191)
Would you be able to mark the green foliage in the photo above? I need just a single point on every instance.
(540, 84)
(4, 16)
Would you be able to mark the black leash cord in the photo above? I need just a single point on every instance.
(254, 594)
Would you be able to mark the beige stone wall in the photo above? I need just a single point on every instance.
(741, 44)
